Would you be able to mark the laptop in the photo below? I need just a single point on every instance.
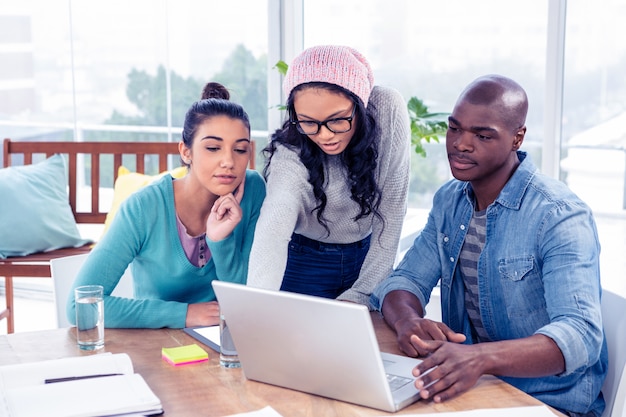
(316, 345)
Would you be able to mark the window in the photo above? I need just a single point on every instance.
(594, 104)
(121, 70)
(593, 147)
(432, 50)
(125, 70)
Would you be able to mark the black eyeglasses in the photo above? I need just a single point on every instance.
(337, 125)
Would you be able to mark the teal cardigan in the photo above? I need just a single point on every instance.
(144, 235)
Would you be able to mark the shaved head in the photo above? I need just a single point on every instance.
(506, 97)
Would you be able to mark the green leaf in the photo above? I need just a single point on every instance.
(282, 67)
(425, 126)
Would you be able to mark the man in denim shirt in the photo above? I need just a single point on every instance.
(517, 255)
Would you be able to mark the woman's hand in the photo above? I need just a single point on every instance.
(203, 314)
(225, 215)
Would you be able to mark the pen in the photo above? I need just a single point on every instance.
(74, 378)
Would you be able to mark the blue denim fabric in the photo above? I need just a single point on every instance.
(323, 269)
(538, 274)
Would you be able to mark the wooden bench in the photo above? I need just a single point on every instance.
(38, 264)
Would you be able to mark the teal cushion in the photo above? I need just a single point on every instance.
(35, 214)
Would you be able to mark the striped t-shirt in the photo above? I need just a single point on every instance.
(468, 262)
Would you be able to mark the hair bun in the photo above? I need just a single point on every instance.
(215, 90)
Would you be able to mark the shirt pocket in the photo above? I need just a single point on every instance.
(514, 269)
(523, 294)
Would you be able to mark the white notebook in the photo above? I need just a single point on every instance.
(124, 393)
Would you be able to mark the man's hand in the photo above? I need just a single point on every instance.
(423, 329)
(455, 368)
(404, 313)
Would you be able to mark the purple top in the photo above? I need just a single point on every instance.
(195, 247)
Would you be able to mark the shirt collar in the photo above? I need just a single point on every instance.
(513, 192)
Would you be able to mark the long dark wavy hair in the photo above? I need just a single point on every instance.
(359, 158)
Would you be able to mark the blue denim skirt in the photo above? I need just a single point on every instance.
(323, 269)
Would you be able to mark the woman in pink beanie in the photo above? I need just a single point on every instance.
(337, 177)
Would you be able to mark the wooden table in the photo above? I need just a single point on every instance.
(206, 389)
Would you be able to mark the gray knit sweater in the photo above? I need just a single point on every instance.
(289, 203)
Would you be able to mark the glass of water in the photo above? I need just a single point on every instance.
(228, 352)
(89, 316)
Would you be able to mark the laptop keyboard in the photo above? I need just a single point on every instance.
(396, 381)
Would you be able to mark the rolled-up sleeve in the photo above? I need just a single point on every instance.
(571, 275)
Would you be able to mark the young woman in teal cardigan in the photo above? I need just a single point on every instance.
(178, 235)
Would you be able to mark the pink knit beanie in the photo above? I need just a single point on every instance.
(340, 65)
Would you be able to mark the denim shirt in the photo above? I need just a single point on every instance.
(538, 274)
